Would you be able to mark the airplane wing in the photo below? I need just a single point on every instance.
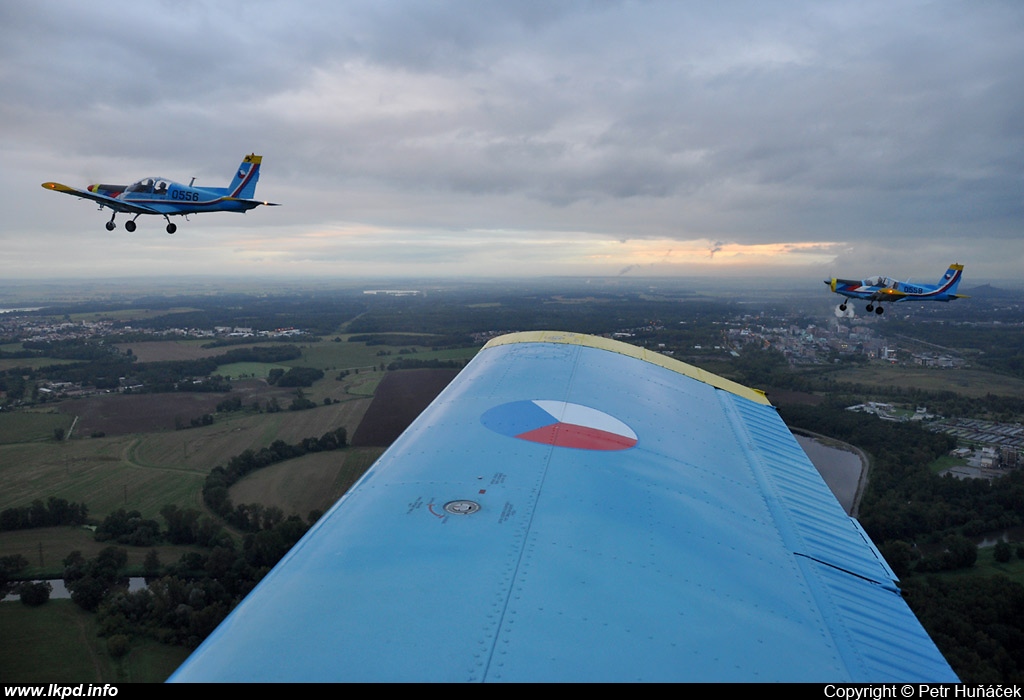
(572, 508)
(115, 204)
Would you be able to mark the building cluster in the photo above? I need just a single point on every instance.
(816, 343)
(36, 329)
(39, 329)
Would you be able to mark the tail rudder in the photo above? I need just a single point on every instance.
(243, 185)
(951, 280)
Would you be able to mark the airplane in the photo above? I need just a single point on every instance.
(876, 290)
(163, 197)
(573, 508)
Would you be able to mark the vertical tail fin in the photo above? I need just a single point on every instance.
(951, 280)
(243, 185)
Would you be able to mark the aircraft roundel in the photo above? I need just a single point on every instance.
(561, 424)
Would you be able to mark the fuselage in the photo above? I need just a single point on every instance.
(165, 196)
(884, 289)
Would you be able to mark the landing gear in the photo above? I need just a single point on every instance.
(111, 225)
(871, 307)
(842, 307)
(171, 228)
(129, 226)
(879, 310)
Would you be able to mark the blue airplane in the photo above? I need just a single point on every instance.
(876, 290)
(573, 508)
(163, 197)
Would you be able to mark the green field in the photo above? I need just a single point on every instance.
(129, 314)
(31, 426)
(148, 470)
(31, 362)
(314, 481)
(968, 382)
(946, 462)
(240, 370)
(145, 471)
(57, 643)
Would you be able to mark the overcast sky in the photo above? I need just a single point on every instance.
(521, 138)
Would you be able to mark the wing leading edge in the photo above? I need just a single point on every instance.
(570, 509)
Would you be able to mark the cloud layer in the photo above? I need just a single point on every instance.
(493, 138)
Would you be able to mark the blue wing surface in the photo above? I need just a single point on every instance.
(617, 516)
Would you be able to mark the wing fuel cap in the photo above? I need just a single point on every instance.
(461, 507)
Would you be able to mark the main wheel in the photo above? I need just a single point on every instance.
(879, 310)
(129, 226)
(111, 225)
(871, 307)
(171, 228)
(842, 307)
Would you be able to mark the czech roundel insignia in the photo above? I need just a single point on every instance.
(561, 424)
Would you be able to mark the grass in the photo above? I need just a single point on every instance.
(32, 362)
(98, 472)
(128, 314)
(968, 382)
(57, 643)
(46, 548)
(312, 482)
(145, 471)
(986, 566)
(236, 370)
(946, 462)
(27, 426)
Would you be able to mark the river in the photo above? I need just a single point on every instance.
(841, 469)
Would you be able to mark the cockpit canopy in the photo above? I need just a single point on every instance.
(150, 185)
(879, 281)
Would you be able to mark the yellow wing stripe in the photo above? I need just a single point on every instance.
(655, 358)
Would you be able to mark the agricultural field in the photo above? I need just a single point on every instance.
(31, 362)
(124, 450)
(167, 350)
(967, 382)
(127, 314)
(119, 414)
(31, 426)
(312, 482)
(400, 397)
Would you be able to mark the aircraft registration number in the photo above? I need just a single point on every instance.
(913, 290)
(185, 196)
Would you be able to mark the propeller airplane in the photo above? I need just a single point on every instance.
(162, 197)
(879, 289)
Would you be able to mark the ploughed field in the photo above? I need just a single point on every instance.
(399, 399)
